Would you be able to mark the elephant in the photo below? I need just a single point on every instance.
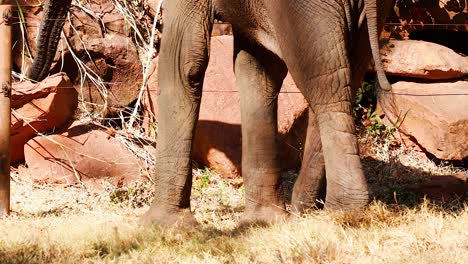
(325, 45)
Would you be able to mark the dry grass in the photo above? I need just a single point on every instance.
(74, 225)
(53, 224)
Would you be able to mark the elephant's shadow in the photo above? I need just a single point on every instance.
(227, 140)
(397, 185)
(389, 182)
(394, 185)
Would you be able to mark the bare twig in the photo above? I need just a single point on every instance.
(146, 68)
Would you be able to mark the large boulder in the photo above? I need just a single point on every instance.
(434, 114)
(114, 57)
(83, 154)
(218, 134)
(40, 108)
(103, 43)
(425, 60)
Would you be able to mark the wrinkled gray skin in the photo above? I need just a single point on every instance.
(325, 46)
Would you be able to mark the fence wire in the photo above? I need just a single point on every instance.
(20, 21)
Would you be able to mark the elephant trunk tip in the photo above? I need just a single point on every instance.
(371, 11)
(383, 82)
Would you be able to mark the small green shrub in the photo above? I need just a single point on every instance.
(365, 111)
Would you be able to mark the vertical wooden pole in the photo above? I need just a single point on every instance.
(5, 104)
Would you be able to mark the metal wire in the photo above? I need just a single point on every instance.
(225, 23)
(235, 91)
(425, 24)
(287, 92)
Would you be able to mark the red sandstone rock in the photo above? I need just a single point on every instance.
(84, 153)
(40, 108)
(218, 134)
(105, 45)
(435, 114)
(425, 60)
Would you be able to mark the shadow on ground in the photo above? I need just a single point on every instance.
(396, 184)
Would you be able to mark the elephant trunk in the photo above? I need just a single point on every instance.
(55, 12)
(374, 33)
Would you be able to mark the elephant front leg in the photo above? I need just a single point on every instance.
(259, 76)
(182, 63)
(310, 186)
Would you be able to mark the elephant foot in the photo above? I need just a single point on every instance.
(174, 218)
(302, 205)
(346, 200)
(263, 215)
(310, 198)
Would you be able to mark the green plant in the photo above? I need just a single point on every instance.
(366, 113)
(373, 122)
(365, 98)
(202, 181)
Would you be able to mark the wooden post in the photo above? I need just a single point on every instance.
(6, 10)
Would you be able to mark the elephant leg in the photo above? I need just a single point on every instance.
(183, 60)
(318, 58)
(310, 186)
(259, 76)
(346, 183)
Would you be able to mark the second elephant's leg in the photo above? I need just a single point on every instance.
(309, 187)
(259, 76)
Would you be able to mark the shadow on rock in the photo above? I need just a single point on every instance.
(218, 145)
